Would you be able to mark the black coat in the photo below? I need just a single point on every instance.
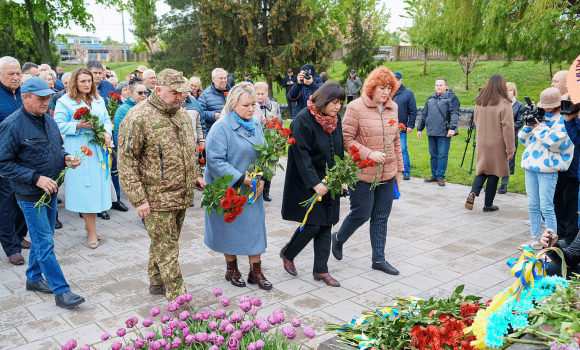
(519, 110)
(307, 160)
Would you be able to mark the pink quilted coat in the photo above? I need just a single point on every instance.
(364, 127)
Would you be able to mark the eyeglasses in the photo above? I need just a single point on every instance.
(140, 92)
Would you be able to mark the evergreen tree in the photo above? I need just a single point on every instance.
(423, 33)
(145, 21)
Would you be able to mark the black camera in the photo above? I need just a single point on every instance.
(567, 107)
(307, 74)
(533, 114)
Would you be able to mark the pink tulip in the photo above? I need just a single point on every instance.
(182, 325)
(188, 297)
(116, 346)
(219, 313)
(233, 343)
(237, 334)
(184, 315)
(236, 317)
(225, 301)
(176, 343)
(308, 332)
(252, 346)
(260, 344)
(213, 347)
(174, 323)
(121, 332)
(218, 292)
(150, 335)
(147, 322)
(288, 332)
(206, 315)
(244, 299)
(212, 325)
(155, 311)
(219, 340)
(230, 329)
(295, 322)
(189, 339)
(185, 332)
(253, 311)
(86, 347)
(256, 302)
(245, 306)
(105, 336)
(139, 343)
(156, 345)
(165, 318)
(224, 324)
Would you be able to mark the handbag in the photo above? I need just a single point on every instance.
(447, 120)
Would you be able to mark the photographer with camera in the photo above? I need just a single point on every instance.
(308, 83)
(548, 151)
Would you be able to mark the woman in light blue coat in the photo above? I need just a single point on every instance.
(88, 188)
(230, 151)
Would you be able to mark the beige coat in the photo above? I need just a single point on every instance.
(364, 127)
(495, 138)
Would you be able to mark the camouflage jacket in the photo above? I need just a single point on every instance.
(158, 156)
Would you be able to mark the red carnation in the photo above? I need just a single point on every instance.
(87, 151)
(52, 112)
(226, 203)
(202, 160)
(356, 157)
(371, 163)
(285, 132)
(84, 110)
(402, 127)
(226, 95)
(77, 115)
(199, 92)
(229, 217)
(111, 93)
(230, 193)
(291, 141)
(240, 201)
(278, 125)
(392, 122)
(201, 149)
(362, 164)
(237, 211)
(353, 150)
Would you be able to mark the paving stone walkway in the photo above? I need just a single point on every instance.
(432, 239)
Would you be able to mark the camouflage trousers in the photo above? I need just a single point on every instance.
(164, 229)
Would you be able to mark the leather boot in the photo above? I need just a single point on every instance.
(233, 274)
(256, 276)
(504, 185)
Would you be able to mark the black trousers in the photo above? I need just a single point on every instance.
(349, 99)
(321, 236)
(267, 186)
(555, 269)
(13, 227)
(490, 188)
(566, 207)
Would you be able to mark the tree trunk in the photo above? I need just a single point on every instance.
(551, 75)
(466, 81)
(42, 37)
(426, 51)
(269, 82)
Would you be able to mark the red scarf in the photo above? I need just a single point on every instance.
(327, 123)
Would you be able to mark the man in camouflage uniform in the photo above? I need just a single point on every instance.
(158, 170)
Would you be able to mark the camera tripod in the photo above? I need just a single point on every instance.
(471, 133)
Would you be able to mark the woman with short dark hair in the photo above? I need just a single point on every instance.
(317, 130)
(495, 142)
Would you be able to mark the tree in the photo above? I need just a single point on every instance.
(362, 33)
(45, 16)
(145, 21)
(110, 42)
(423, 33)
(80, 52)
(115, 54)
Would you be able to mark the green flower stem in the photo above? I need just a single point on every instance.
(523, 341)
(375, 182)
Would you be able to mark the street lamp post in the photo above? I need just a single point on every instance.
(124, 45)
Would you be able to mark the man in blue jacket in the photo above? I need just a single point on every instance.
(213, 98)
(32, 157)
(13, 228)
(405, 99)
(440, 116)
(103, 86)
(302, 91)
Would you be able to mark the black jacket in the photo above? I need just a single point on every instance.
(307, 160)
(571, 253)
(231, 80)
(30, 146)
(287, 79)
(433, 119)
(405, 99)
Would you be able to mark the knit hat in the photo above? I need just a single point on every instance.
(307, 67)
(550, 98)
(120, 86)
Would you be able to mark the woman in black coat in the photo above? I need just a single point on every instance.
(318, 133)
(519, 109)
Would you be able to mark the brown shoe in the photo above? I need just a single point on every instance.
(288, 265)
(25, 244)
(431, 179)
(16, 259)
(441, 182)
(469, 201)
(157, 289)
(256, 276)
(233, 274)
(326, 278)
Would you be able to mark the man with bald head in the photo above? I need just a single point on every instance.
(12, 222)
(559, 82)
(44, 67)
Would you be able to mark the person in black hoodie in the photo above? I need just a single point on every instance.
(305, 88)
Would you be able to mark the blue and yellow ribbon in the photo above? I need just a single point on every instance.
(309, 204)
(256, 176)
(107, 160)
(365, 342)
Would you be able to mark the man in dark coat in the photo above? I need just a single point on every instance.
(440, 116)
(13, 228)
(289, 81)
(405, 99)
(304, 88)
(231, 80)
(103, 86)
(213, 98)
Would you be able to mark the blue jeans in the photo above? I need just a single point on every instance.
(439, 150)
(291, 106)
(540, 188)
(368, 204)
(406, 160)
(42, 260)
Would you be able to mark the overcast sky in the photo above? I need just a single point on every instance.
(108, 22)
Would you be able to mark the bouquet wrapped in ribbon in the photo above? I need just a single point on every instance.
(402, 128)
(98, 133)
(344, 171)
(113, 105)
(45, 199)
(277, 138)
(222, 198)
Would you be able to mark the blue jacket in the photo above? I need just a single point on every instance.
(104, 88)
(30, 146)
(193, 104)
(212, 101)
(120, 115)
(405, 99)
(432, 118)
(58, 85)
(9, 102)
(573, 129)
(301, 92)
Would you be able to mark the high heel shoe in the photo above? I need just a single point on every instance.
(98, 237)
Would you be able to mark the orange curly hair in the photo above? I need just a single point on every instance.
(380, 76)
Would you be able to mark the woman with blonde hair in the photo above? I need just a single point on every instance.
(230, 151)
(88, 189)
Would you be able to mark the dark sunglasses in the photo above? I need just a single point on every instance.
(140, 92)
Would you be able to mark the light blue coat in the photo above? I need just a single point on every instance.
(230, 150)
(87, 191)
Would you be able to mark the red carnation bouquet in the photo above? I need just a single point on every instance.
(222, 198)
(98, 129)
(113, 105)
(45, 199)
(201, 158)
(402, 128)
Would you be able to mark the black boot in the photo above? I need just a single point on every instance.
(68, 300)
(266, 192)
(40, 286)
(504, 184)
(104, 215)
(118, 205)
(57, 223)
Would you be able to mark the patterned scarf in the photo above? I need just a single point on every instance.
(328, 123)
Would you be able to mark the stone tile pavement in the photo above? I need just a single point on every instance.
(432, 239)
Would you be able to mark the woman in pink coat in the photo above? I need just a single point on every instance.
(370, 123)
